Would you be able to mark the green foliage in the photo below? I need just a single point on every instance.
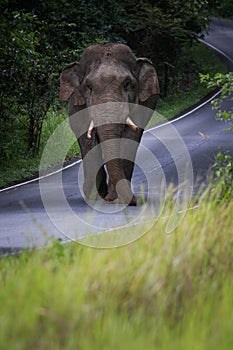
(161, 292)
(28, 79)
(162, 30)
(223, 166)
(223, 172)
(225, 83)
(221, 8)
(26, 166)
(188, 91)
(36, 40)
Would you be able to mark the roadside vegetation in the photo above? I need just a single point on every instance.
(224, 82)
(161, 292)
(223, 166)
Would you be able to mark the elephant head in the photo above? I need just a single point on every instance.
(111, 79)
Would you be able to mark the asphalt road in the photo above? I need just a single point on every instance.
(179, 152)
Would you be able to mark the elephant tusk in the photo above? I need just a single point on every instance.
(90, 129)
(131, 124)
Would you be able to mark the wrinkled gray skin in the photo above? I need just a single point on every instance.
(109, 73)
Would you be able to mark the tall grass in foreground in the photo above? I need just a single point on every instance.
(161, 292)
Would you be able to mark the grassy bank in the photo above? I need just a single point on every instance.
(23, 166)
(161, 292)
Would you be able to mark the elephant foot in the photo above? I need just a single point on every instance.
(121, 194)
(111, 197)
(132, 202)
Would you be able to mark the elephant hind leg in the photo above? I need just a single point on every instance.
(101, 182)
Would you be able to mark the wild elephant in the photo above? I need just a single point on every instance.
(111, 77)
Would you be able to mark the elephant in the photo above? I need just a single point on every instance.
(109, 75)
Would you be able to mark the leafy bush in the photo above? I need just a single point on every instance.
(223, 172)
(225, 83)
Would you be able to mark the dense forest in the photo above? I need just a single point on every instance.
(38, 38)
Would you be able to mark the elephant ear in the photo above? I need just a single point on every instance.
(70, 84)
(148, 80)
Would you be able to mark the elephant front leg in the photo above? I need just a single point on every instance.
(119, 188)
(94, 184)
(95, 179)
(112, 194)
(121, 194)
(129, 146)
(101, 182)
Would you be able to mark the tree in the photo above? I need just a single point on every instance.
(27, 82)
(221, 8)
(161, 30)
(37, 40)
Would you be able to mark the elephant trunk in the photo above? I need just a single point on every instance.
(119, 187)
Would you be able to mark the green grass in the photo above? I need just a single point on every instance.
(161, 292)
(24, 166)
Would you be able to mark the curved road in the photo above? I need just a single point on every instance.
(183, 149)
